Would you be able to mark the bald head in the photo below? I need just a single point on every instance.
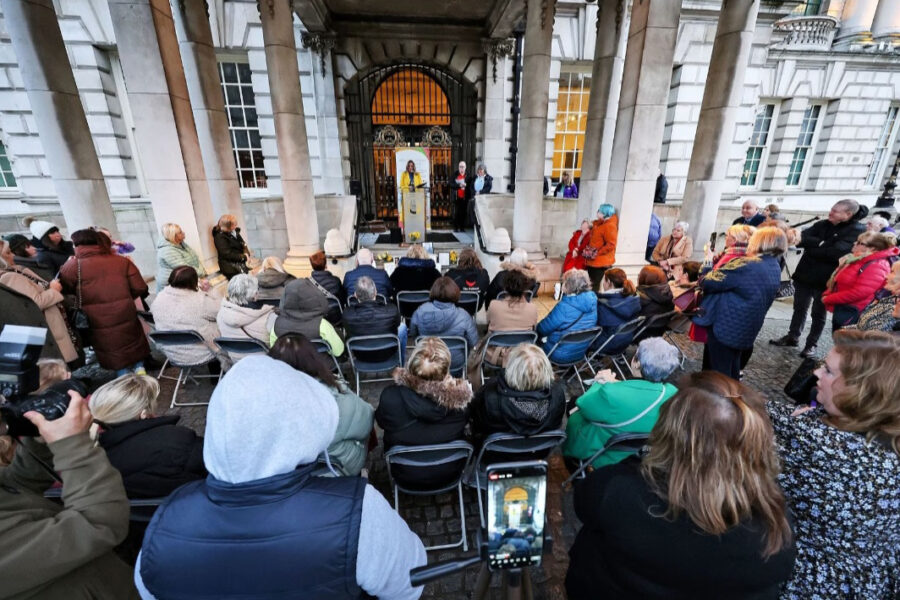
(364, 257)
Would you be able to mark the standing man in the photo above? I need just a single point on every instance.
(824, 243)
(662, 188)
(750, 215)
(463, 192)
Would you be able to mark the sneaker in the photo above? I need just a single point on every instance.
(809, 351)
(140, 371)
(784, 341)
(557, 290)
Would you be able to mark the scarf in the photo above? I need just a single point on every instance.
(847, 259)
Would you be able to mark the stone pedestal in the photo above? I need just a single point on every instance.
(886, 24)
(606, 77)
(58, 112)
(201, 71)
(163, 120)
(290, 134)
(856, 21)
(533, 125)
(715, 128)
(640, 122)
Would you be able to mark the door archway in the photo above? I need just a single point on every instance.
(408, 104)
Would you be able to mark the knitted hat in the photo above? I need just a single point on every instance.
(41, 228)
(16, 241)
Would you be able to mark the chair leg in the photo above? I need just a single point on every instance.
(162, 370)
(462, 516)
(618, 369)
(177, 385)
(480, 503)
(355, 372)
(396, 500)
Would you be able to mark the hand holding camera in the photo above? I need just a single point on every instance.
(77, 419)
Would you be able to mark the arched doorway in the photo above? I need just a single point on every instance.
(408, 104)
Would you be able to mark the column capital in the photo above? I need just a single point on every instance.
(545, 4)
(270, 6)
(497, 48)
(620, 14)
(320, 43)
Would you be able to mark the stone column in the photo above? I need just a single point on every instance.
(163, 121)
(533, 125)
(496, 149)
(319, 46)
(62, 126)
(886, 25)
(640, 122)
(856, 22)
(606, 77)
(201, 71)
(290, 133)
(715, 128)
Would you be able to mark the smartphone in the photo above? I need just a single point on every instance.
(516, 514)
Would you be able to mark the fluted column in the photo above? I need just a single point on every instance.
(290, 132)
(718, 113)
(640, 122)
(886, 24)
(201, 72)
(856, 21)
(61, 123)
(533, 125)
(606, 77)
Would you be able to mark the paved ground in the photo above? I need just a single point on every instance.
(436, 519)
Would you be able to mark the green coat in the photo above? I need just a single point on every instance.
(612, 403)
(355, 417)
(169, 256)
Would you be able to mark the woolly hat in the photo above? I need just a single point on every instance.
(265, 418)
(41, 228)
(16, 241)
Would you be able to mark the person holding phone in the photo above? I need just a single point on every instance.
(463, 191)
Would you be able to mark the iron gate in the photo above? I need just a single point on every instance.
(408, 104)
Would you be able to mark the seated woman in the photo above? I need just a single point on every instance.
(424, 405)
(700, 516)
(469, 275)
(26, 255)
(241, 316)
(272, 278)
(878, 316)
(576, 310)
(577, 245)
(330, 282)
(686, 282)
(524, 398)
(172, 251)
(655, 296)
(840, 464)
(617, 304)
(517, 261)
(155, 455)
(231, 249)
(441, 316)
(612, 407)
(674, 250)
(303, 309)
(415, 271)
(347, 451)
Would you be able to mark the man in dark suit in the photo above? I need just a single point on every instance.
(750, 215)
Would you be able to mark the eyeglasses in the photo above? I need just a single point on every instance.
(862, 244)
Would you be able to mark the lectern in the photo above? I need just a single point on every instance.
(414, 211)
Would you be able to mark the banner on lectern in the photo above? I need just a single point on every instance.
(414, 209)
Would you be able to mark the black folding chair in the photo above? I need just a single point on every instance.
(408, 302)
(418, 460)
(470, 301)
(504, 339)
(324, 347)
(633, 443)
(615, 345)
(455, 343)
(186, 339)
(581, 342)
(655, 326)
(359, 347)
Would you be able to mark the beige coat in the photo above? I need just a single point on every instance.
(680, 254)
(23, 281)
(175, 309)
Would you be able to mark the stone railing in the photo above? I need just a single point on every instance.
(814, 32)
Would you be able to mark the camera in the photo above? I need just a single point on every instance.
(20, 349)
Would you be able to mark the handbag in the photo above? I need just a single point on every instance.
(802, 382)
(689, 301)
(786, 288)
(590, 253)
(80, 319)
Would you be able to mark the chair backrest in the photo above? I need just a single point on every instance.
(335, 303)
(656, 324)
(176, 337)
(360, 349)
(457, 345)
(241, 345)
(580, 339)
(626, 442)
(469, 300)
(417, 460)
(621, 337)
(508, 339)
(408, 302)
(147, 317)
(528, 295)
(511, 447)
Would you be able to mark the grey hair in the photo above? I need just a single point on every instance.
(481, 167)
(242, 289)
(848, 205)
(881, 222)
(576, 281)
(365, 289)
(683, 224)
(528, 369)
(518, 257)
(658, 359)
(364, 257)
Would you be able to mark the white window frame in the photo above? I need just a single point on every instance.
(766, 148)
(245, 191)
(9, 191)
(567, 73)
(814, 142)
(876, 171)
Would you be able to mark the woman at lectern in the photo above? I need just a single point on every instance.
(410, 180)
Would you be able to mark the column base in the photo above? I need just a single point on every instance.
(297, 262)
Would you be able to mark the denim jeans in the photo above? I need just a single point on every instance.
(136, 366)
(403, 334)
(804, 296)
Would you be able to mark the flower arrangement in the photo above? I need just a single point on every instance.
(414, 236)
(385, 257)
(454, 258)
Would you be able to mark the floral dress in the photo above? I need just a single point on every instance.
(878, 316)
(844, 493)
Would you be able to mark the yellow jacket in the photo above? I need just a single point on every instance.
(404, 180)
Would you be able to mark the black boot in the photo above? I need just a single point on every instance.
(784, 341)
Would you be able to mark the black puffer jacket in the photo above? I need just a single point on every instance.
(655, 300)
(332, 283)
(414, 274)
(230, 248)
(53, 256)
(500, 408)
(824, 243)
(154, 455)
(371, 318)
(476, 280)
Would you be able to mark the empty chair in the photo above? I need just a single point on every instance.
(183, 339)
(359, 347)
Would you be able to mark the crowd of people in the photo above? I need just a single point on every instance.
(734, 496)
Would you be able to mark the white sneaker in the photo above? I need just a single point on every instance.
(557, 289)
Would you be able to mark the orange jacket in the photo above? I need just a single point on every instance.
(603, 238)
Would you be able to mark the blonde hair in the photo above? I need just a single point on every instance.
(792, 234)
(741, 233)
(226, 222)
(769, 241)
(870, 366)
(875, 241)
(712, 456)
(169, 231)
(416, 251)
(52, 370)
(430, 359)
(528, 368)
(124, 399)
(272, 262)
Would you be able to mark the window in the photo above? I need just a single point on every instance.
(571, 121)
(884, 144)
(804, 143)
(7, 179)
(811, 7)
(758, 141)
(240, 104)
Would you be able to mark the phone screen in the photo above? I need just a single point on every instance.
(516, 514)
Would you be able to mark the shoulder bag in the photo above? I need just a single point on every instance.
(80, 319)
(786, 287)
(802, 382)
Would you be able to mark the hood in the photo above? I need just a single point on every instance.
(118, 433)
(528, 410)
(41, 228)
(240, 316)
(440, 316)
(265, 419)
(303, 300)
(585, 302)
(885, 254)
(451, 394)
(270, 278)
(529, 269)
(660, 293)
(416, 263)
(860, 214)
(624, 307)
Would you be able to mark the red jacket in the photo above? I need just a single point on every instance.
(109, 285)
(856, 283)
(576, 262)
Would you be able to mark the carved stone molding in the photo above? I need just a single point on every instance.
(389, 136)
(320, 43)
(436, 136)
(497, 49)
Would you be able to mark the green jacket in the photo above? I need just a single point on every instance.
(169, 256)
(53, 551)
(612, 403)
(355, 417)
